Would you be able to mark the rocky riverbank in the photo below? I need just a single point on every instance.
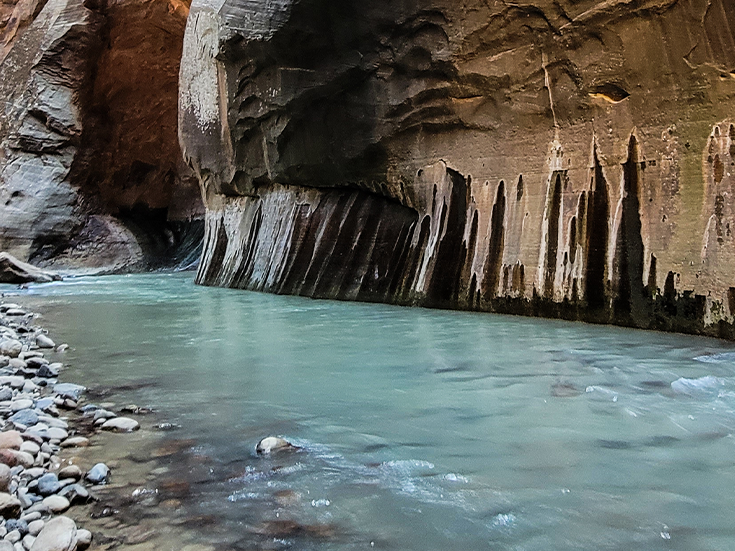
(43, 419)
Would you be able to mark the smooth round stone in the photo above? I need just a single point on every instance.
(11, 348)
(29, 387)
(9, 505)
(84, 538)
(18, 405)
(42, 341)
(11, 458)
(5, 477)
(17, 524)
(30, 517)
(26, 417)
(272, 444)
(17, 363)
(75, 442)
(72, 471)
(56, 504)
(103, 414)
(75, 493)
(62, 347)
(28, 542)
(58, 534)
(53, 421)
(6, 394)
(6, 546)
(10, 439)
(98, 473)
(13, 536)
(35, 527)
(56, 433)
(47, 372)
(30, 447)
(48, 484)
(69, 390)
(121, 424)
(13, 381)
(44, 403)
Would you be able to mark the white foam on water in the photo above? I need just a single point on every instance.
(707, 385)
(723, 357)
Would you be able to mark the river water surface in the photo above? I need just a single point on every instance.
(420, 429)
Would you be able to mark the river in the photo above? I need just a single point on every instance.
(419, 429)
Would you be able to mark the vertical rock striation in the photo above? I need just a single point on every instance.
(570, 159)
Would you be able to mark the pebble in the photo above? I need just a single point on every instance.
(28, 542)
(42, 341)
(18, 405)
(6, 546)
(56, 433)
(9, 505)
(5, 477)
(26, 417)
(5, 394)
(75, 442)
(72, 471)
(30, 447)
(121, 424)
(84, 538)
(56, 504)
(17, 524)
(69, 390)
(48, 484)
(12, 536)
(13, 457)
(62, 348)
(10, 439)
(75, 493)
(11, 348)
(35, 527)
(47, 372)
(98, 474)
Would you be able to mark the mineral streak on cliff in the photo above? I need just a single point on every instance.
(90, 167)
(569, 158)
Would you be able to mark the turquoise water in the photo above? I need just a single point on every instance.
(420, 429)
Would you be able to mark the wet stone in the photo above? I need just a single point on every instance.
(98, 474)
(48, 484)
(25, 417)
(75, 493)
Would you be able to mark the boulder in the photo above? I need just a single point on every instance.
(13, 270)
(58, 534)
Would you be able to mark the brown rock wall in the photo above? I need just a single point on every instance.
(567, 159)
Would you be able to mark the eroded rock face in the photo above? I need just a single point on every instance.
(91, 172)
(573, 159)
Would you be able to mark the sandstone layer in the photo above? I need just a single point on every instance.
(571, 159)
(91, 172)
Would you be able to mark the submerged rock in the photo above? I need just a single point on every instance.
(98, 474)
(274, 444)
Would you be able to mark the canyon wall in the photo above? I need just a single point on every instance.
(91, 173)
(570, 158)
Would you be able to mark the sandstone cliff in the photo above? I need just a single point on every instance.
(570, 158)
(91, 173)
